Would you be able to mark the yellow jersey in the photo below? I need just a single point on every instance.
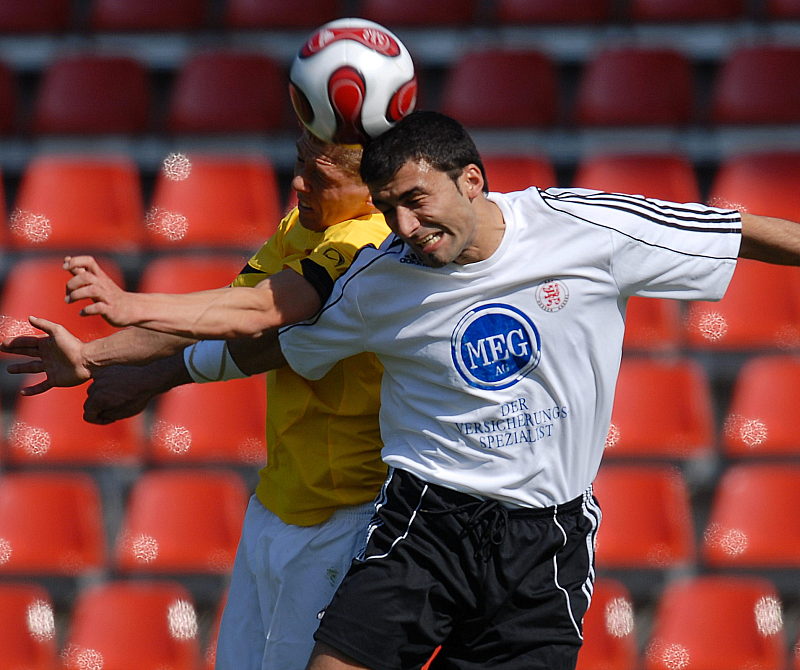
(323, 439)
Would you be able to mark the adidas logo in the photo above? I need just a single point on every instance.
(411, 258)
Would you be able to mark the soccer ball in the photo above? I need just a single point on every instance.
(352, 80)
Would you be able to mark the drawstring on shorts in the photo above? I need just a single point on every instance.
(486, 525)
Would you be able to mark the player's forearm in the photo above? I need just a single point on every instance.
(770, 240)
(132, 346)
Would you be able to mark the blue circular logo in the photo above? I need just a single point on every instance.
(494, 346)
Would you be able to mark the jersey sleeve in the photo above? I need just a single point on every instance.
(662, 249)
(313, 347)
(335, 252)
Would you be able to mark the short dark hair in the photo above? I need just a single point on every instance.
(431, 137)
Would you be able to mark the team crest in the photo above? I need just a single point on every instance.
(552, 295)
(494, 346)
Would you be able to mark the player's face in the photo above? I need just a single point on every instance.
(326, 193)
(433, 213)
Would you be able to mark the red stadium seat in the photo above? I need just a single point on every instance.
(19, 299)
(93, 94)
(418, 12)
(184, 273)
(761, 418)
(266, 14)
(210, 656)
(145, 625)
(514, 173)
(661, 409)
(34, 16)
(501, 89)
(50, 524)
(706, 623)
(211, 423)
(762, 183)
(514, 12)
(772, 292)
(228, 92)
(653, 325)
(749, 526)
(757, 85)
(647, 521)
(665, 176)
(27, 627)
(78, 204)
(609, 629)
(182, 522)
(222, 202)
(148, 14)
(631, 86)
(49, 429)
(686, 10)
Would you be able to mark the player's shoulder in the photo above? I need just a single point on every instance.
(360, 231)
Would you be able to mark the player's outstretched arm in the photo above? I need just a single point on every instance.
(768, 239)
(226, 313)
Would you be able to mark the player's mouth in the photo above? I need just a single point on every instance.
(429, 242)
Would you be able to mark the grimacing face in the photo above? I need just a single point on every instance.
(433, 213)
(329, 189)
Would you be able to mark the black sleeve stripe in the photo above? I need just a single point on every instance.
(660, 215)
(318, 277)
(550, 204)
(345, 279)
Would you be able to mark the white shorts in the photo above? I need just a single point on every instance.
(283, 576)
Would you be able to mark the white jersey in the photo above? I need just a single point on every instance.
(499, 375)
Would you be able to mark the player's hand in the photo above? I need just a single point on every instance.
(121, 391)
(57, 353)
(90, 281)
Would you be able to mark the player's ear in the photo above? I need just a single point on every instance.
(472, 180)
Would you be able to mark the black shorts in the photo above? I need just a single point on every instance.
(496, 587)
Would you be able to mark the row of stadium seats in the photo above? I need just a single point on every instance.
(112, 15)
(97, 202)
(700, 622)
(181, 523)
(225, 91)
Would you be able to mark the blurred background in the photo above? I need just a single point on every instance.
(158, 135)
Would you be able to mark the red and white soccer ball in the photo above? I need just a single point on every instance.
(352, 80)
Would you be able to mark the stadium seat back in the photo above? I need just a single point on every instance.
(8, 100)
(418, 12)
(79, 204)
(718, 622)
(761, 418)
(661, 409)
(647, 522)
(508, 173)
(35, 286)
(34, 16)
(653, 325)
(686, 10)
(93, 94)
(273, 14)
(609, 629)
(148, 15)
(763, 183)
(27, 627)
(757, 85)
(208, 423)
(501, 89)
(514, 12)
(145, 625)
(49, 429)
(223, 202)
(50, 524)
(633, 86)
(770, 291)
(782, 9)
(662, 176)
(228, 92)
(184, 273)
(184, 522)
(748, 524)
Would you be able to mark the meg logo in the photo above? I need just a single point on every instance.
(494, 346)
